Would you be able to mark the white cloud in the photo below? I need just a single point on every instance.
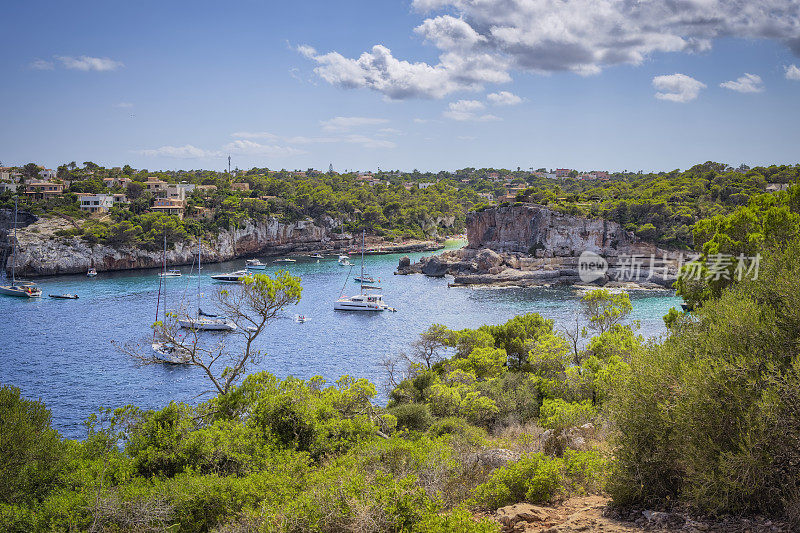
(503, 98)
(421, 120)
(483, 41)
(792, 73)
(749, 83)
(87, 63)
(348, 123)
(466, 110)
(180, 152)
(247, 147)
(254, 135)
(677, 87)
(123, 105)
(466, 105)
(41, 64)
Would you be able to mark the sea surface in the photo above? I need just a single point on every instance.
(60, 351)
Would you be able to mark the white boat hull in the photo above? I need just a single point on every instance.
(20, 290)
(347, 304)
(207, 324)
(169, 353)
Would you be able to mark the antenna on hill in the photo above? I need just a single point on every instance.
(229, 164)
(330, 168)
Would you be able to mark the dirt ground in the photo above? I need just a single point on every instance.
(592, 514)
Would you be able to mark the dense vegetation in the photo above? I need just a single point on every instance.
(708, 418)
(660, 207)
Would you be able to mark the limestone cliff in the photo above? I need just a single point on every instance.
(542, 232)
(530, 245)
(41, 253)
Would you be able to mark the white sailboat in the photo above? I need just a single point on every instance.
(27, 289)
(167, 352)
(363, 301)
(203, 321)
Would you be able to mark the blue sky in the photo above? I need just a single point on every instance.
(587, 84)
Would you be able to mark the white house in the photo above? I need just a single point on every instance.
(96, 203)
(47, 174)
(8, 186)
(180, 191)
(425, 185)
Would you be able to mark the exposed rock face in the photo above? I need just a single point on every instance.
(542, 232)
(40, 253)
(531, 245)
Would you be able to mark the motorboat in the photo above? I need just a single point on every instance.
(365, 279)
(317, 256)
(344, 260)
(302, 318)
(174, 273)
(64, 296)
(25, 289)
(255, 264)
(286, 260)
(91, 273)
(231, 277)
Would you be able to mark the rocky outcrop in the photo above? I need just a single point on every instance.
(542, 232)
(532, 245)
(42, 253)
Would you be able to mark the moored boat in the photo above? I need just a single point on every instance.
(26, 289)
(64, 296)
(231, 277)
(286, 260)
(363, 301)
(255, 264)
(91, 273)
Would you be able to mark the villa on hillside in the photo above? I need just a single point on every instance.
(43, 190)
(95, 203)
(121, 181)
(169, 206)
(156, 186)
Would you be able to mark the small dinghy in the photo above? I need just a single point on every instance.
(64, 296)
(302, 318)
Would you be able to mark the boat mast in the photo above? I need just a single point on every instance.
(199, 268)
(363, 234)
(164, 276)
(14, 247)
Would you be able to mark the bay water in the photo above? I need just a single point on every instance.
(60, 351)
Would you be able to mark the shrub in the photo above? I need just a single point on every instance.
(412, 416)
(535, 478)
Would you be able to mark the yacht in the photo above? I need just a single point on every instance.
(255, 264)
(174, 273)
(231, 277)
(26, 289)
(204, 321)
(165, 351)
(286, 260)
(344, 260)
(91, 273)
(363, 301)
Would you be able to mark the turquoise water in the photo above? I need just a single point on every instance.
(60, 350)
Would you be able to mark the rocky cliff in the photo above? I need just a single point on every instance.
(541, 232)
(42, 253)
(530, 245)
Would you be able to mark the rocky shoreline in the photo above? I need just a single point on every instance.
(533, 246)
(42, 252)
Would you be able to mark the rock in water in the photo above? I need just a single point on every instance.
(405, 262)
(434, 268)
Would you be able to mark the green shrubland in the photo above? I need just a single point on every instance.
(706, 417)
